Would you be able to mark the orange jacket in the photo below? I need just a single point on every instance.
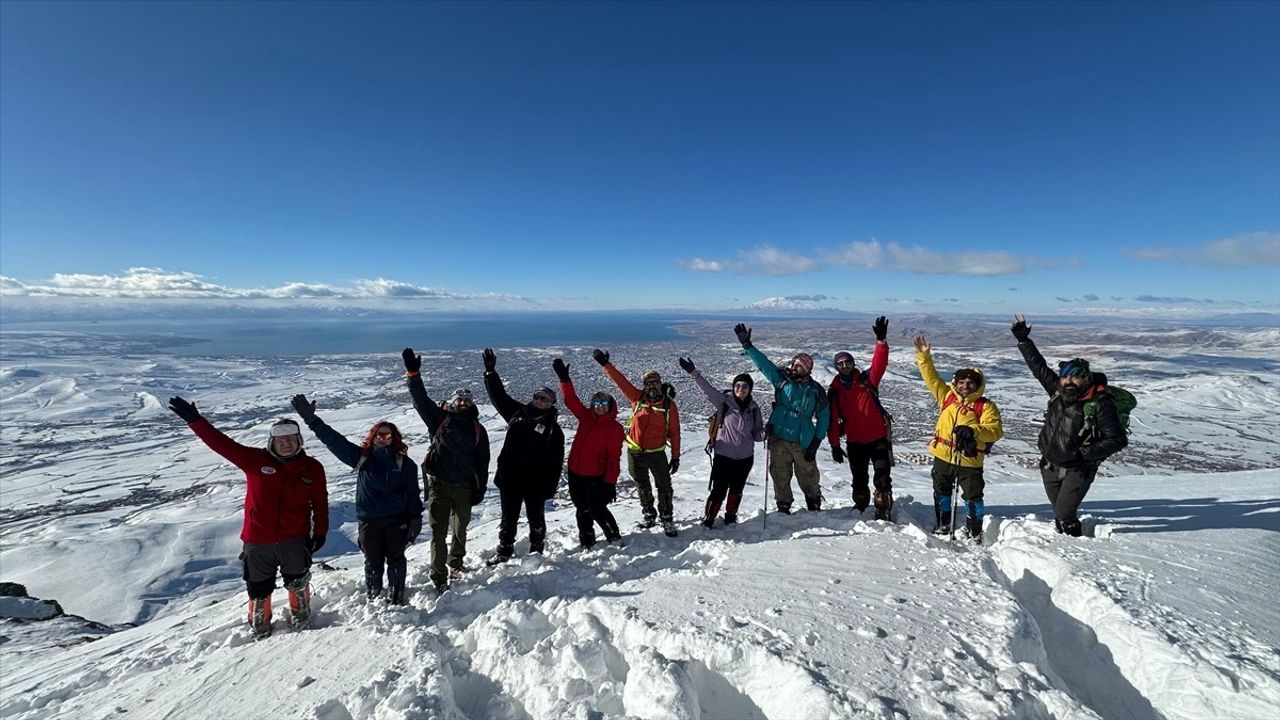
(652, 426)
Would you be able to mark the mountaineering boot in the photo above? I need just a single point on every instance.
(712, 510)
(942, 514)
(669, 528)
(813, 504)
(455, 573)
(784, 509)
(1072, 528)
(395, 585)
(731, 508)
(501, 555)
(883, 501)
(373, 583)
(973, 526)
(861, 496)
(299, 602)
(1057, 526)
(647, 522)
(260, 617)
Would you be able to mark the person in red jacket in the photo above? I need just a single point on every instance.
(856, 413)
(286, 513)
(595, 459)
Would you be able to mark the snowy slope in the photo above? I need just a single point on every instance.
(1166, 610)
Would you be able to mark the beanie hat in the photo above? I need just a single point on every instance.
(654, 374)
(1075, 367)
(461, 394)
(549, 393)
(285, 428)
(743, 377)
(805, 361)
(842, 355)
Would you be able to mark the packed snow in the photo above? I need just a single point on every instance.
(1164, 610)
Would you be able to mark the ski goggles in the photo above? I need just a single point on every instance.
(462, 394)
(1073, 368)
(544, 398)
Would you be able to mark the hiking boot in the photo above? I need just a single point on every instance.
(731, 508)
(497, 559)
(1072, 528)
(973, 526)
(441, 588)
(942, 529)
(711, 511)
(814, 504)
(883, 501)
(395, 585)
(647, 522)
(455, 573)
(669, 528)
(617, 541)
(260, 617)
(299, 603)
(784, 509)
(730, 519)
(861, 498)
(1057, 526)
(373, 593)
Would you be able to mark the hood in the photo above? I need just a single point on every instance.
(982, 385)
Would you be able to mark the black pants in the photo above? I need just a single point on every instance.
(859, 454)
(971, 485)
(728, 477)
(533, 501)
(591, 496)
(383, 541)
(1066, 488)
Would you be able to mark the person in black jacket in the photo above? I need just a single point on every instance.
(529, 463)
(456, 470)
(1073, 441)
(388, 505)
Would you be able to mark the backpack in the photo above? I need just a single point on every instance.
(979, 405)
(1125, 403)
(433, 450)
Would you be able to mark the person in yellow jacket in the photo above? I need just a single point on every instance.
(967, 427)
(654, 424)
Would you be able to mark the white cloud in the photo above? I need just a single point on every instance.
(156, 283)
(872, 254)
(1256, 249)
(760, 260)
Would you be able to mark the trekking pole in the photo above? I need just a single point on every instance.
(955, 486)
(766, 483)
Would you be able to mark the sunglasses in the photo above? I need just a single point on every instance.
(383, 434)
(599, 403)
(742, 385)
(543, 398)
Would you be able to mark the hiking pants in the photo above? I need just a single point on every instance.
(261, 561)
(1066, 488)
(945, 475)
(591, 496)
(639, 465)
(786, 457)
(859, 454)
(382, 540)
(534, 504)
(447, 502)
(728, 476)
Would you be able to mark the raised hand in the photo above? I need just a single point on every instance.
(881, 328)
(922, 345)
(306, 410)
(744, 334)
(412, 362)
(1020, 328)
(562, 370)
(601, 356)
(490, 361)
(687, 365)
(183, 409)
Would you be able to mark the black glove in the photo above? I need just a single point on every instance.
(686, 364)
(601, 356)
(674, 466)
(562, 370)
(1021, 329)
(490, 361)
(837, 454)
(306, 410)
(744, 334)
(811, 453)
(415, 529)
(183, 409)
(881, 327)
(412, 362)
(966, 441)
(610, 492)
(314, 543)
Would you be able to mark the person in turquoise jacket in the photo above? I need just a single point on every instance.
(799, 420)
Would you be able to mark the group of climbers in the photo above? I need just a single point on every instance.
(286, 504)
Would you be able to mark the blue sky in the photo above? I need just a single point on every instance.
(644, 155)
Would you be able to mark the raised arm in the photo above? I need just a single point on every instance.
(879, 363)
(932, 382)
(239, 455)
(430, 413)
(498, 395)
(1021, 330)
(616, 376)
(571, 399)
(345, 450)
(762, 363)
